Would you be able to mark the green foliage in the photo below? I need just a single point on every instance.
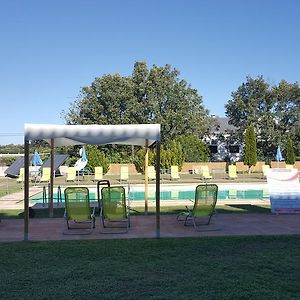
(139, 160)
(96, 158)
(273, 110)
(193, 148)
(11, 149)
(155, 95)
(172, 155)
(250, 152)
(290, 154)
(165, 158)
(6, 161)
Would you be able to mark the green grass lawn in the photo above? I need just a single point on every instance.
(9, 189)
(186, 268)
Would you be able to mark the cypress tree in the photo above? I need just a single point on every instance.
(290, 154)
(250, 153)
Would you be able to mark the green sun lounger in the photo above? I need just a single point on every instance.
(113, 210)
(78, 210)
(204, 206)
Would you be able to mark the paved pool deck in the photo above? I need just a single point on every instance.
(232, 224)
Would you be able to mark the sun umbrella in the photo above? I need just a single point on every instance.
(83, 154)
(81, 163)
(279, 156)
(36, 159)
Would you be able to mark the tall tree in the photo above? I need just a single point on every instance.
(287, 111)
(273, 110)
(290, 154)
(250, 151)
(147, 96)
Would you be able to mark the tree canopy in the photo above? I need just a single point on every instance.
(273, 110)
(155, 95)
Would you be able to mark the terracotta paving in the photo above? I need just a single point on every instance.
(144, 227)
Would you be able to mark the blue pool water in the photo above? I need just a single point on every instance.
(174, 195)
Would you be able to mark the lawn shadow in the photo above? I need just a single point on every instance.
(243, 208)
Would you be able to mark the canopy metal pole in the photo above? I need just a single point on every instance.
(51, 180)
(26, 189)
(158, 189)
(146, 175)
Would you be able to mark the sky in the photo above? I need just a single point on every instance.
(51, 49)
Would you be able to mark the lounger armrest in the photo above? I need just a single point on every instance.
(189, 211)
(93, 213)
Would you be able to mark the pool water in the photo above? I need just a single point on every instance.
(174, 195)
(186, 195)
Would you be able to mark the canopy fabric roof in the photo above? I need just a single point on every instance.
(68, 135)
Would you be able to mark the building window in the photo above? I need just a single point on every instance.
(213, 149)
(234, 149)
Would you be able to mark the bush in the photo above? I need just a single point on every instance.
(172, 156)
(193, 148)
(96, 158)
(139, 160)
(6, 161)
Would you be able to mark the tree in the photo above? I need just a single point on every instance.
(273, 110)
(290, 154)
(147, 96)
(250, 154)
(193, 148)
(287, 111)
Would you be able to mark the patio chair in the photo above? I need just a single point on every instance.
(71, 174)
(151, 173)
(98, 174)
(124, 173)
(78, 210)
(21, 175)
(113, 210)
(46, 172)
(265, 169)
(205, 172)
(174, 173)
(232, 172)
(288, 166)
(204, 206)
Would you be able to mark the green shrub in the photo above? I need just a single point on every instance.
(139, 159)
(6, 161)
(172, 155)
(193, 148)
(96, 158)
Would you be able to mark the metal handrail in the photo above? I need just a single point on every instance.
(59, 197)
(45, 199)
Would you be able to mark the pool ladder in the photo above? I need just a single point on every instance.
(46, 198)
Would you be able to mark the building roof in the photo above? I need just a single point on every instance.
(221, 125)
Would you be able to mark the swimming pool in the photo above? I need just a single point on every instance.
(175, 193)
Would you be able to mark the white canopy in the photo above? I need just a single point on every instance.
(68, 135)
